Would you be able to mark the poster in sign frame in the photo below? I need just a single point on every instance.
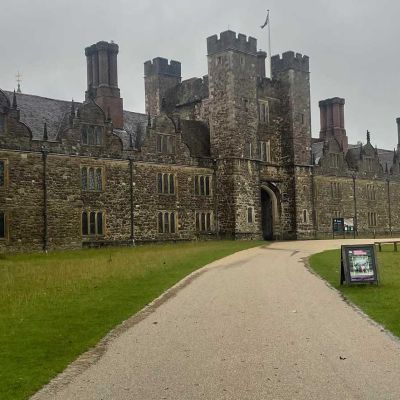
(358, 264)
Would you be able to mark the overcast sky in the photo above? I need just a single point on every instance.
(352, 45)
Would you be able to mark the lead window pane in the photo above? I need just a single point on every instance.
(84, 223)
(166, 222)
(171, 184)
(172, 222)
(208, 221)
(99, 223)
(207, 185)
(165, 183)
(91, 179)
(99, 182)
(92, 223)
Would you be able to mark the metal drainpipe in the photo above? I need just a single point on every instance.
(389, 206)
(45, 219)
(355, 206)
(131, 199)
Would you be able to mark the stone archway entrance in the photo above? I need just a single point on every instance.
(267, 222)
(270, 221)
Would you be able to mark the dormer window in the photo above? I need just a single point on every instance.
(334, 160)
(369, 164)
(165, 144)
(91, 135)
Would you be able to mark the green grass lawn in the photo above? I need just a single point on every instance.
(381, 303)
(54, 307)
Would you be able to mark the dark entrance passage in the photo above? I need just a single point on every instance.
(266, 215)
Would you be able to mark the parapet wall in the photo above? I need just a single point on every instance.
(290, 60)
(229, 41)
(160, 66)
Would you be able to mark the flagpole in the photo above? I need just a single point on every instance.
(269, 45)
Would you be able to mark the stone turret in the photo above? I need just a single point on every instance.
(159, 77)
(292, 69)
(102, 80)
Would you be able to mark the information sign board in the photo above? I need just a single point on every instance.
(358, 264)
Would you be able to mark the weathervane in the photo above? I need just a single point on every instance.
(18, 77)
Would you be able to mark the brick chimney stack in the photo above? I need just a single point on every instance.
(102, 80)
(332, 121)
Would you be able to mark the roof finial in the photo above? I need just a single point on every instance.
(368, 137)
(72, 108)
(18, 77)
(14, 101)
(45, 136)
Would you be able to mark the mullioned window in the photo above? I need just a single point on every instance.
(92, 223)
(166, 222)
(91, 135)
(202, 185)
(92, 179)
(165, 183)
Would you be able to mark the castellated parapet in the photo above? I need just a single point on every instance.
(160, 66)
(290, 60)
(228, 41)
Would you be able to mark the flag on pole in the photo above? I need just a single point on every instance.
(266, 21)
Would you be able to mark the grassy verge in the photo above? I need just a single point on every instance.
(381, 303)
(54, 307)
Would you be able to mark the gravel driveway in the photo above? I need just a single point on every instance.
(255, 325)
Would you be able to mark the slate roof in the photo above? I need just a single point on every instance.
(36, 110)
(196, 135)
(353, 153)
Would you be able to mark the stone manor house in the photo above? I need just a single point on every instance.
(227, 155)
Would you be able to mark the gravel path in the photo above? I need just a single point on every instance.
(255, 325)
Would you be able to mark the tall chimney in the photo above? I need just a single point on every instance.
(102, 80)
(332, 121)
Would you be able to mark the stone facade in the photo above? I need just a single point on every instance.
(227, 155)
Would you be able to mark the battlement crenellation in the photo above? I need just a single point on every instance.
(161, 66)
(229, 41)
(290, 60)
